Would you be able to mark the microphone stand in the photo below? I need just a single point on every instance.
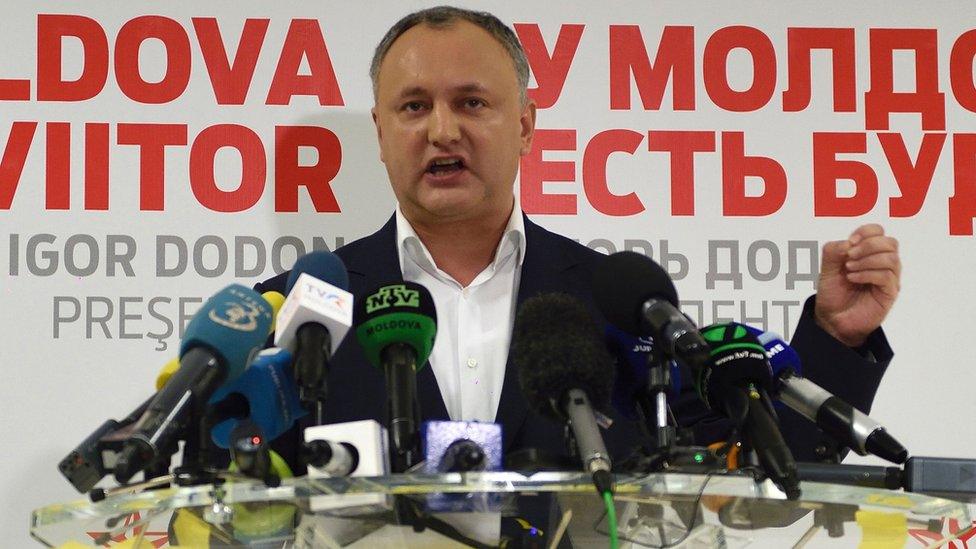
(669, 450)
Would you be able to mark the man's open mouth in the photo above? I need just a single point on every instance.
(445, 165)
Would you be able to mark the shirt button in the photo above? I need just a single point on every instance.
(472, 363)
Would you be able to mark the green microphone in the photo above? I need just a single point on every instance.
(396, 325)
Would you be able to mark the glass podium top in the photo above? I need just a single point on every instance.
(511, 509)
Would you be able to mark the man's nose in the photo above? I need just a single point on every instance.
(442, 126)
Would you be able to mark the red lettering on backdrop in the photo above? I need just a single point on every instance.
(14, 90)
(736, 167)
(534, 171)
(316, 178)
(715, 68)
(913, 178)
(152, 140)
(304, 40)
(57, 174)
(682, 145)
(254, 167)
(130, 39)
(14, 156)
(550, 71)
(675, 58)
(595, 185)
(51, 30)
(230, 80)
(96, 166)
(828, 170)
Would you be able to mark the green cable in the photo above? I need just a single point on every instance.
(611, 519)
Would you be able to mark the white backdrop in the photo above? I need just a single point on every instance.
(85, 336)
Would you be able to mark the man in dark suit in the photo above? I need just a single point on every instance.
(452, 119)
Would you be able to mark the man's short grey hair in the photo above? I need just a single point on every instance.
(443, 17)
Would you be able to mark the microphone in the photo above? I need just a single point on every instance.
(264, 394)
(563, 367)
(396, 325)
(631, 355)
(313, 321)
(335, 459)
(840, 420)
(219, 341)
(738, 381)
(637, 295)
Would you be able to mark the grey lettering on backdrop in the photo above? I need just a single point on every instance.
(81, 254)
(123, 317)
(758, 313)
(210, 256)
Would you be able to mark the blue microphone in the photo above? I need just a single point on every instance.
(265, 395)
(219, 342)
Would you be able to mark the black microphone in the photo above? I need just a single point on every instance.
(396, 325)
(565, 371)
(738, 381)
(635, 294)
(219, 342)
(313, 321)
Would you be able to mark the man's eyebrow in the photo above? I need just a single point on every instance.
(414, 91)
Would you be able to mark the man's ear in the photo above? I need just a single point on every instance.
(379, 132)
(527, 120)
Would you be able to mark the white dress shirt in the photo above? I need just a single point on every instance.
(474, 323)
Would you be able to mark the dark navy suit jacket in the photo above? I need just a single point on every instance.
(554, 263)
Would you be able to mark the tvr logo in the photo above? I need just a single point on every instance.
(395, 295)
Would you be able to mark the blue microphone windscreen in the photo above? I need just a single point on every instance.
(269, 388)
(233, 324)
(321, 264)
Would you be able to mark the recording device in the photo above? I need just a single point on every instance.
(737, 382)
(313, 322)
(840, 420)
(565, 371)
(635, 294)
(220, 339)
(396, 325)
(265, 394)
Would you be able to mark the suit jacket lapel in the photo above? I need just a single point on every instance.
(542, 271)
(378, 262)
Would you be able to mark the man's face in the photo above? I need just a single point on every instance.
(450, 124)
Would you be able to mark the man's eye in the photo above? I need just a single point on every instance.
(474, 103)
(412, 106)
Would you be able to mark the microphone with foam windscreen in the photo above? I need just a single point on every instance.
(837, 418)
(565, 371)
(737, 382)
(313, 321)
(219, 342)
(396, 325)
(635, 294)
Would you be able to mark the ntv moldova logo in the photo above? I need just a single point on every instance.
(396, 295)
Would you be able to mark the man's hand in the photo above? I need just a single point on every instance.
(859, 281)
